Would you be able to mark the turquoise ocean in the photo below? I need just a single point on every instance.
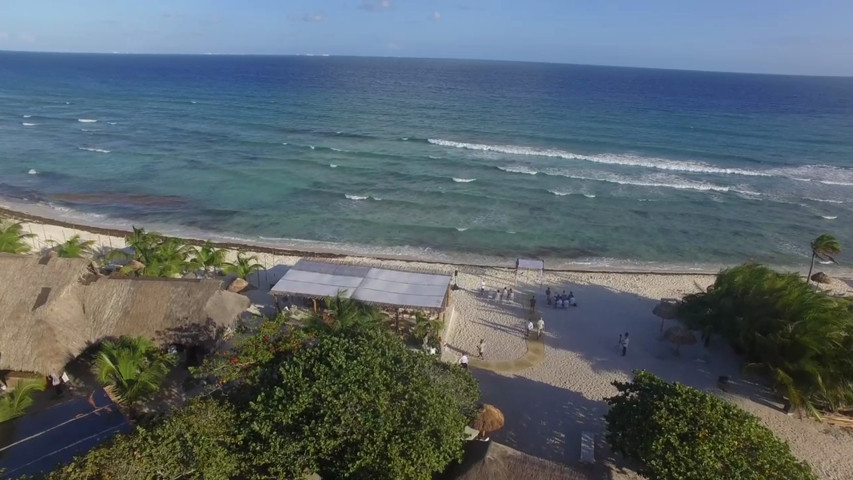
(447, 159)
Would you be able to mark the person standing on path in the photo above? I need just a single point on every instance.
(499, 295)
(548, 296)
(540, 325)
(625, 344)
(463, 362)
(532, 303)
(529, 327)
(482, 288)
(506, 294)
(481, 348)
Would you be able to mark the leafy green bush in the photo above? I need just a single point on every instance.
(798, 336)
(202, 441)
(680, 433)
(358, 404)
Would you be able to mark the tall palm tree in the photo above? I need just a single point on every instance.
(14, 403)
(12, 238)
(131, 368)
(207, 258)
(243, 266)
(824, 247)
(74, 247)
(344, 313)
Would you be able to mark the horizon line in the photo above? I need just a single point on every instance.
(328, 55)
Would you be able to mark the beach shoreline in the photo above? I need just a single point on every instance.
(40, 214)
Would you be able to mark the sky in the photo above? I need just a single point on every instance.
(813, 37)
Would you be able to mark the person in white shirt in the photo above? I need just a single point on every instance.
(625, 344)
(481, 348)
(482, 288)
(540, 325)
(529, 328)
(463, 362)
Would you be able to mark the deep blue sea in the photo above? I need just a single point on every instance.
(447, 158)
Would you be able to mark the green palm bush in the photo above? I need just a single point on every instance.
(15, 403)
(74, 247)
(12, 237)
(131, 369)
(243, 266)
(207, 258)
(823, 247)
(799, 337)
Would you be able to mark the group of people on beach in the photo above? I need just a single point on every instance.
(540, 326)
(500, 295)
(561, 300)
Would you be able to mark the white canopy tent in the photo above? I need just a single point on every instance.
(534, 264)
(392, 288)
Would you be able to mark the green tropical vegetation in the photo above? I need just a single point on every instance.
(427, 328)
(15, 403)
(343, 400)
(799, 337)
(680, 433)
(201, 441)
(343, 314)
(74, 247)
(12, 237)
(207, 258)
(243, 266)
(131, 369)
(823, 248)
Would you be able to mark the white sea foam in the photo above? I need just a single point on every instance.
(519, 169)
(356, 197)
(333, 165)
(284, 143)
(588, 195)
(829, 217)
(312, 147)
(610, 159)
(111, 123)
(843, 184)
(434, 157)
(193, 101)
(26, 116)
(33, 171)
(28, 124)
(559, 194)
(96, 150)
(823, 200)
(405, 139)
(376, 199)
(461, 229)
(86, 120)
(463, 180)
(338, 149)
(654, 182)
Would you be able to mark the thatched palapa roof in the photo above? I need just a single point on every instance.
(53, 309)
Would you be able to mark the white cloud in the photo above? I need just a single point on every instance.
(376, 5)
(314, 17)
(394, 46)
(436, 16)
(27, 37)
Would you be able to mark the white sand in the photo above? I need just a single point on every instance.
(549, 405)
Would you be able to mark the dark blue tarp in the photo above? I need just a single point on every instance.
(39, 442)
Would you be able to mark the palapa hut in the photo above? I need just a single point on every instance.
(54, 308)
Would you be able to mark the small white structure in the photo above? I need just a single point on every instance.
(534, 264)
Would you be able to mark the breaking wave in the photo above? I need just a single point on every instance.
(96, 150)
(519, 169)
(463, 180)
(86, 120)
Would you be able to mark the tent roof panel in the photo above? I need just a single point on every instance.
(531, 263)
(372, 285)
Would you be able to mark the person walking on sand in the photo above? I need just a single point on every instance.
(499, 295)
(509, 295)
(463, 362)
(481, 348)
(529, 327)
(625, 344)
(540, 325)
(482, 288)
(548, 296)
(506, 294)
(533, 303)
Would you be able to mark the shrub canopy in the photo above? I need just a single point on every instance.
(680, 433)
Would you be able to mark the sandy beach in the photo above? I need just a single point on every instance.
(548, 405)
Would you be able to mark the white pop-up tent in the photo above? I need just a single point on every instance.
(378, 286)
(529, 264)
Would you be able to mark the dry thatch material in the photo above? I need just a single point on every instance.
(488, 420)
(53, 309)
(492, 461)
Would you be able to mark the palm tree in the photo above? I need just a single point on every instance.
(74, 247)
(131, 368)
(344, 313)
(12, 238)
(823, 247)
(14, 403)
(244, 266)
(426, 327)
(207, 258)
